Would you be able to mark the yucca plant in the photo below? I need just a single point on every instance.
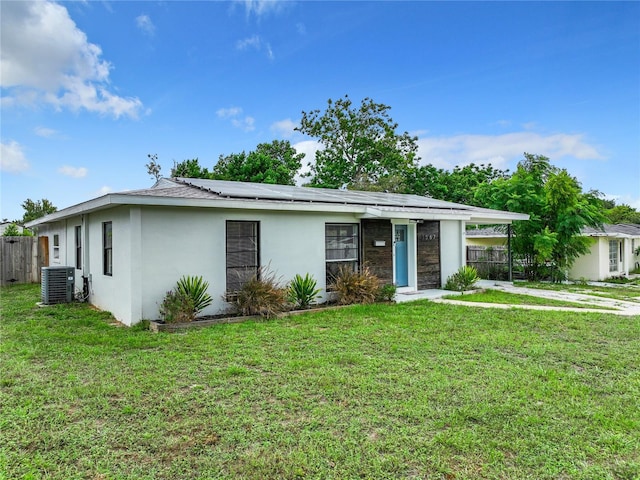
(302, 291)
(464, 279)
(188, 298)
(196, 289)
(356, 286)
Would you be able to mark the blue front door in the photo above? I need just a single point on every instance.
(402, 268)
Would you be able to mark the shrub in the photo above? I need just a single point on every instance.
(464, 279)
(302, 291)
(11, 231)
(356, 287)
(188, 298)
(177, 307)
(386, 293)
(262, 295)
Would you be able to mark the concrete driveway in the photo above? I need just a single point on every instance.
(609, 305)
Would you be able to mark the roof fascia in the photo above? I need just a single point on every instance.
(372, 212)
(363, 211)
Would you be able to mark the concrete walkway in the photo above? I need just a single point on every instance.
(620, 307)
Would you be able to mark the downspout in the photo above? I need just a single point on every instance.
(86, 257)
(509, 253)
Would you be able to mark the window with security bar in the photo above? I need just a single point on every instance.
(342, 248)
(242, 253)
(78, 235)
(107, 249)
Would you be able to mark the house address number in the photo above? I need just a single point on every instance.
(428, 236)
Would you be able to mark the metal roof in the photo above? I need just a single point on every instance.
(263, 191)
(195, 192)
(607, 230)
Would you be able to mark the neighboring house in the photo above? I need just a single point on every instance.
(132, 247)
(612, 252)
(5, 225)
(486, 237)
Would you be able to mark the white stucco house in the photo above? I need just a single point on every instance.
(611, 254)
(130, 248)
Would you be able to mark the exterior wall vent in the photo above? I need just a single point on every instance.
(57, 285)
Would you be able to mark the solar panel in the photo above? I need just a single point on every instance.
(265, 191)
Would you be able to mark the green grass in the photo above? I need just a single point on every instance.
(497, 296)
(629, 293)
(418, 391)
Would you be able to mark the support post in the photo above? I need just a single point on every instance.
(509, 254)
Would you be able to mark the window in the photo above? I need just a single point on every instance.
(56, 247)
(242, 253)
(78, 247)
(107, 249)
(613, 255)
(341, 248)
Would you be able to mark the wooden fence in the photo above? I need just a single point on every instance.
(492, 263)
(21, 259)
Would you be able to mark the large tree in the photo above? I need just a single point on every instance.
(458, 185)
(189, 169)
(36, 209)
(360, 146)
(622, 214)
(551, 240)
(276, 163)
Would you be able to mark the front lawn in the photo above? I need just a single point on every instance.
(417, 390)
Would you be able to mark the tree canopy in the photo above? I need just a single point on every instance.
(550, 241)
(622, 214)
(36, 209)
(360, 146)
(189, 169)
(276, 163)
(458, 185)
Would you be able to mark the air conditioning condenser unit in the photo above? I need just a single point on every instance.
(57, 285)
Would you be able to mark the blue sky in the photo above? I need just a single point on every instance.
(90, 88)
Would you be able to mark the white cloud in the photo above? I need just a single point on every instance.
(47, 59)
(234, 113)
(447, 152)
(12, 158)
(229, 112)
(75, 172)
(633, 202)
(284, 128)
(262, 7)
(250, 42)
(309, 148)
(246, 123)
(144, 23)
(45, 132)
(255, 43)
